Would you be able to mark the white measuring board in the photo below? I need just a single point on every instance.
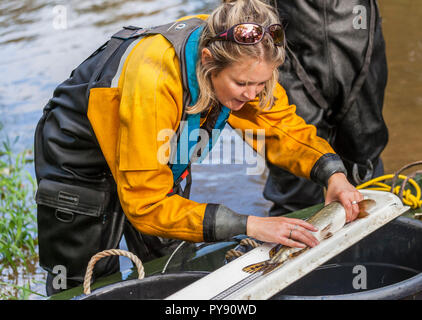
(230, 282)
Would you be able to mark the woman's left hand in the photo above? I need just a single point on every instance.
(340, 189)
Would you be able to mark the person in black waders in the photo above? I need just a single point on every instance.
(335, 73)
(115, 140)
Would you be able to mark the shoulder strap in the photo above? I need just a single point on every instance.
(357, 85)
(309, 86)
(176, 33)
(108, 50)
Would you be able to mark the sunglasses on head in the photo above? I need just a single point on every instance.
(251, 33)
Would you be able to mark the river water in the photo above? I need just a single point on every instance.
(42, 41)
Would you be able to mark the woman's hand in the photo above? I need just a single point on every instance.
(287, 231)
(339, 189)
(296, 232)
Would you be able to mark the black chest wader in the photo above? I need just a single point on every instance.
(335, 73)
(78, 210)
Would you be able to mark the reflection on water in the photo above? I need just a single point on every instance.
(41, 41)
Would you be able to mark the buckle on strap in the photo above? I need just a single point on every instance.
(184, 174)
(128, 33)
(180, 179)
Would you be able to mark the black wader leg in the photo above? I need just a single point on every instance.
(52, 289)
(111, 236)
(147, 247)
(143, 246)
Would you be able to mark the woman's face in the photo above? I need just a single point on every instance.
(241, 82)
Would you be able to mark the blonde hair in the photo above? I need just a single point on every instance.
(225, 53)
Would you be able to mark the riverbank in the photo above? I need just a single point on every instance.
(18, 226)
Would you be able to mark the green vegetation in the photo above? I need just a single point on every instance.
(18, 227)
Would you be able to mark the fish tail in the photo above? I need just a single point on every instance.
(265, 266)
(256, 267)
(271, 266)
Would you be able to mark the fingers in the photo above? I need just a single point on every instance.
(347, 204)
(301, 223)
(340, 189)
(293, 244)
(299, 237)
(287, 231)
(350, 203)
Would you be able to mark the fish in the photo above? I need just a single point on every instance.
(328, 221)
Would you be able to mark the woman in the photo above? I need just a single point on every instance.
(231, 63)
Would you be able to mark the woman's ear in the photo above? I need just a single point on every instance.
(206, 56)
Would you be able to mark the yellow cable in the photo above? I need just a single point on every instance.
(409, 199)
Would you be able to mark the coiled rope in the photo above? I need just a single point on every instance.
(414, 201)
(106, 253)
(405, 195)
(233, 253)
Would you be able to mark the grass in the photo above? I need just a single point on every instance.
(18, 228)
(23, 291)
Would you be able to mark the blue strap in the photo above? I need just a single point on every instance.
(190, 132)
(219, 126)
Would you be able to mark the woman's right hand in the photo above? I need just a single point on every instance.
(290, 232)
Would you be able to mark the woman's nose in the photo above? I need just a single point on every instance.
(250, 92)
